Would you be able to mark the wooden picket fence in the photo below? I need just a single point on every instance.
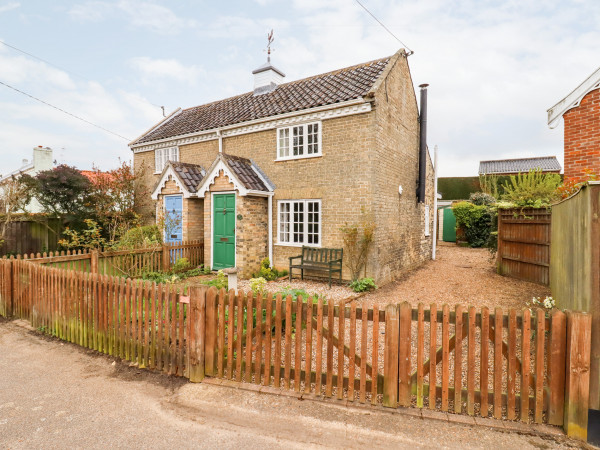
(128, 263)
(138, 321)
(513, 365)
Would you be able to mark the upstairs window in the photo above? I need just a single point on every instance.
(162, 155)
(299, 141)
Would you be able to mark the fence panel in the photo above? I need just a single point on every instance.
(524, 244)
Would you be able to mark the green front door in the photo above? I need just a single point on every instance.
(449, 234)
(223, 231)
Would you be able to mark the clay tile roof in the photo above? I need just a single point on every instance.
(244, 170)
(522, 165)
(190, 174)
(325, 89)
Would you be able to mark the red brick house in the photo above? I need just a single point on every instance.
(288, 164)
(580, 111)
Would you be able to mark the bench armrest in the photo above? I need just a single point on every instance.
(295, 257)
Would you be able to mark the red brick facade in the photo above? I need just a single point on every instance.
(582, 137)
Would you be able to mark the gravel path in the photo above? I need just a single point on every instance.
(458, 275)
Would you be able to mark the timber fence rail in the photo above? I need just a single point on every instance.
(515, 365)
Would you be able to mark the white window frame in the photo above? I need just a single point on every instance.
(289, 140)
(305, 202)
(162, 155)
(427, 216)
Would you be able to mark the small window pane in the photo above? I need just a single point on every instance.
(312, 139)
(313, 222)
(298, 141)
(284, 222)
(284, 142)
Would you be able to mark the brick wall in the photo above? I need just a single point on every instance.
(582, 137)
(400, 243)
(251, 233)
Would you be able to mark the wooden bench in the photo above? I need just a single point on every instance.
(318, 259)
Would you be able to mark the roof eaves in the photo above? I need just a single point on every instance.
(246, 123)
(573, 99)
(159, 124)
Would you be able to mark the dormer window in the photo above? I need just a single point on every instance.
(299, 141)
(162, 155)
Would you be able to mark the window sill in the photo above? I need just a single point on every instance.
(291, 158)
(291, 244)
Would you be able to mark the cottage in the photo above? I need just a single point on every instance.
(581, 116)
(288, 164)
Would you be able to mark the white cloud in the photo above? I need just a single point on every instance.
(153, 70)
(9, 6)
(157, 18)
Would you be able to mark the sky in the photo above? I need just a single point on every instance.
(494, 67)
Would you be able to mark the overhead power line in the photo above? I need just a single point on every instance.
(64, 70)
(65, 112)
(386, 28)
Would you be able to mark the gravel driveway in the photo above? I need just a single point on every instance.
(458, 275)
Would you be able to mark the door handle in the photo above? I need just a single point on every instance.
(224, 239)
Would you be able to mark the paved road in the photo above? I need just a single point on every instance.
(57, 395)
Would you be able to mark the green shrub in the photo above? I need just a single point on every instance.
(533, 189)
(481, 198)
(140, 237)
(220, 282)
(181, 265)
(257, 285)
(476, 220)
(288, 290)
(363, 284)
(267, 272)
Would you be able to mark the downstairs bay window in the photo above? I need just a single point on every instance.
(299, 222)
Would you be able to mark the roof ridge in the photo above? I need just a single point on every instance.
(518, 159)
(332, 72)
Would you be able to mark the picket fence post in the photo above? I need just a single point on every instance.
(577, 379)
(94, 258)
(166, 261)
(390, 352)
(210, 343)
(197, 333)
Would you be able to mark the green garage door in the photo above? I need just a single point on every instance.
(449, 232)
(223, 231)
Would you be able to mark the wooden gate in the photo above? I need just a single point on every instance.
(524, 244)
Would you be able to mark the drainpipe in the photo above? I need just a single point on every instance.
(270, 220)
(220, 140)
(422, 144)
(435, 201)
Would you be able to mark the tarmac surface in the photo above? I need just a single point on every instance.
(56, 395)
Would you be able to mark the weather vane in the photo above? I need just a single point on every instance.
(270, 40)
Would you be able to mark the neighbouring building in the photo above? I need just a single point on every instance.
(42, 160)
(580, 111)
(288, 164)
(546, 164)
